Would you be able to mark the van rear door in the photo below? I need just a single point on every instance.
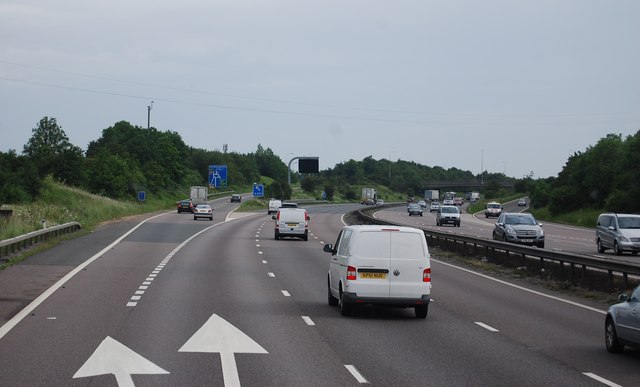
(407, 264)
(371, 258)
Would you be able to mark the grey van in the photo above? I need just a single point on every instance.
(620, 232)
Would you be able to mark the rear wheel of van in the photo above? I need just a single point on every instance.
(305, 237)
(345, 308)
(276, 236)
(332, 300)
(422, 311)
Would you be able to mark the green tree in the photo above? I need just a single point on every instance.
(52, 153)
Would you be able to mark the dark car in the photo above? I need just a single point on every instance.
(519, 227)
(185, 206)
(414, 209)
(622, 324)
(236, 198)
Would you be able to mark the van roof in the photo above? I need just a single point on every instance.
(376, 227)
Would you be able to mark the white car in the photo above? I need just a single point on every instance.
(203, 211)
(434, 206)
(380, 265)
(447, 202)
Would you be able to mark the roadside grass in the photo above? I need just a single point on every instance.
(59, 204)
(582, 218)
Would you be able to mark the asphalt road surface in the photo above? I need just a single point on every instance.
(178, 302)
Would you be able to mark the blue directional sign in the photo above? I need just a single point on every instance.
(142, 196)
(218, 176)
(258, 190)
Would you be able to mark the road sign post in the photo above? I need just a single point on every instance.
(258, 190)
(218, 176)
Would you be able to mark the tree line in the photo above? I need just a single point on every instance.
(127, 158)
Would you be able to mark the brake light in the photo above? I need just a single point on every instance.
(351, 273)
(426, 275)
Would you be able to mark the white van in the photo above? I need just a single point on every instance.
(380, 265)
(291, 222)
(274, 205)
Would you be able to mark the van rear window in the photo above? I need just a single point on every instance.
(407, 246)
(399, 245)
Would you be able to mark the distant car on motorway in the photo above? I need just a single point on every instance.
(379, 202)
(434, 206)
(236, 198)
(619, 232)
(493, 209)
(422, 203)
(185, 206)
(448, 215)
(518, 227)
(622, 323)
(522, 203)
(457, 202)
(447, 202)
(414, 209)
(203, 211)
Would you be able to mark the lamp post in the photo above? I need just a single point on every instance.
(149, 107)
(390, 167)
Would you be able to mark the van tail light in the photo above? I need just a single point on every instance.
(426, 275)
(351, 273)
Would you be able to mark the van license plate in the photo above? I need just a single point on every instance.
(292, 225)
(373, 275)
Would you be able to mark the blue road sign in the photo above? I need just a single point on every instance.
(142, 196)
(258, 190)
(218, 176)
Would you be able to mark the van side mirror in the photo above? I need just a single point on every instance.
(328, 248)
(273, 217)
(623, 298)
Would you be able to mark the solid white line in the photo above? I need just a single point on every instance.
(487, 327)
(286, 293)
(47, 293)
(522, 288)
(601, 380)
(308, 320)
(356, 374)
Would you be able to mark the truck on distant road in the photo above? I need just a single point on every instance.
(473, 196)
(369, 196)
(431, 195)
(199, 195)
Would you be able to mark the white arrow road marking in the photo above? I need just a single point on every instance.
(219, 336)
(111, 357)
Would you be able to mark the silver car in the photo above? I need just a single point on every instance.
(521, 228)
(622, 324)
(203, 211)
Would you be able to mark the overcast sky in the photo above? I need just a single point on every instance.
(515, 86)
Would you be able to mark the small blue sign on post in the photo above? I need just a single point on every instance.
(218, 176)
(258, 190)
(142, 196)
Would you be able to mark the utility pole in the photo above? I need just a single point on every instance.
(149, 107)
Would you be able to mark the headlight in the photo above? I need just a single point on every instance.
(541, 232)
(624, 239)
(511, 231)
